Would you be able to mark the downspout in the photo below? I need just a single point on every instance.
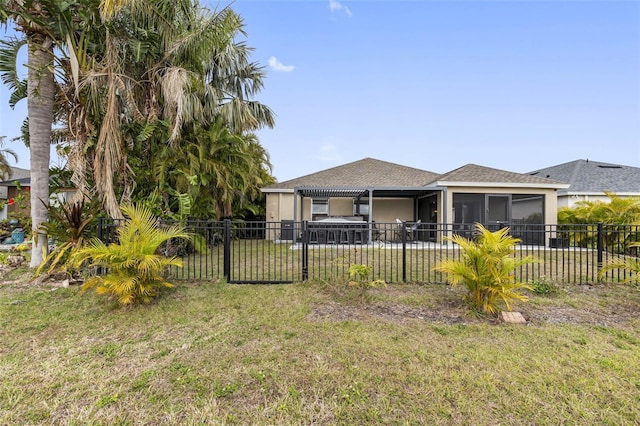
(445, 219)
(444, 202)
(370, 220)
(295, 212)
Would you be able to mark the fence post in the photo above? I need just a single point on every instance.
(305, 251)
(404, 252)
(600, 246)
(226, 253)
(100, 225)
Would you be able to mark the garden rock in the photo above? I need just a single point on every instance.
(15, 260)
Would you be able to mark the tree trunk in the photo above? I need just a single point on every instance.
(40, 110)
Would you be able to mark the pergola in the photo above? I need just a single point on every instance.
(359, 193)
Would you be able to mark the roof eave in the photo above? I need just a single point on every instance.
(599, 193)
(502, 185)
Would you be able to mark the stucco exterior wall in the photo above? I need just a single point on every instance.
(386, 210)
(280, 207)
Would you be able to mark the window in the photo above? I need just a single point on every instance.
(360, 207)
(527, 208)
(320, 206)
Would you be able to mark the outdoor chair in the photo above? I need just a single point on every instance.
(399, 230)
(376, 234)
(412, 232)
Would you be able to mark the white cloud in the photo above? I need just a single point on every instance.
(279, 66)
(335, 5)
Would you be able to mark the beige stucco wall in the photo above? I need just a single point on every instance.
(340, 207)
(386, 210)
(280, 207)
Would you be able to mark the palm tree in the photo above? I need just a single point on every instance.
(31, 19)
(629, 267)
(135, 269)
(169, 62)
(5, 167)
(487, 268)
(47, 26)
(221, 171)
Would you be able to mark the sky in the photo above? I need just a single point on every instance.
(513, 85)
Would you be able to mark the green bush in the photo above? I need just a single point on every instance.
(359, 277)
(134, 267)
(630, 264)
(544, 287)
(486, 267)
(68, 225)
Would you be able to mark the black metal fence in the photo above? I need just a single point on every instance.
(275, 252)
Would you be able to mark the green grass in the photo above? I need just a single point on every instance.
(317, 353)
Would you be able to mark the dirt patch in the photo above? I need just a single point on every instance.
(589, 305)
(390, 312)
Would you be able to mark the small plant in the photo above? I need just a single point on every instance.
(486, 268)
(68, 225)
(359, 277)
(134, 267)
(544, 287)
(626, 263)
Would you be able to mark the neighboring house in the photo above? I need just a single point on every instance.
(18, 187)
(374, 190)
(589, 180)
(16, 175)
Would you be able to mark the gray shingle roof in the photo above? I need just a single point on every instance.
(472, 173)
(364, 173)
(594, 176)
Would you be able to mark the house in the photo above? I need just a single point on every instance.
(17, 174)
(378, 191)
(17, 196)
(589, 180)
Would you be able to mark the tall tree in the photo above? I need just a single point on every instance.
(47, 25)
(165, 64)
(5, 167)
(31, 18)
(221, 171)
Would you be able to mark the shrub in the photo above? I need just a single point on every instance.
(486, 267)
(359, 277)
(134, 267)
(544, 287)
(627, 263)
(68, 225)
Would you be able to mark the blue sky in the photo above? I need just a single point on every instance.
(515, 85)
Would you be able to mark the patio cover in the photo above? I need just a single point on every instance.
(316, 191)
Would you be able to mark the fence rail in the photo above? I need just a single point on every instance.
(274, 252)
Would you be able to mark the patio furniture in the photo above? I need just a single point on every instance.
(376, 234)
(409, 231)
(337, 231)
(412, 232)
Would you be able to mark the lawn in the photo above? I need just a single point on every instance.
(316, 353)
